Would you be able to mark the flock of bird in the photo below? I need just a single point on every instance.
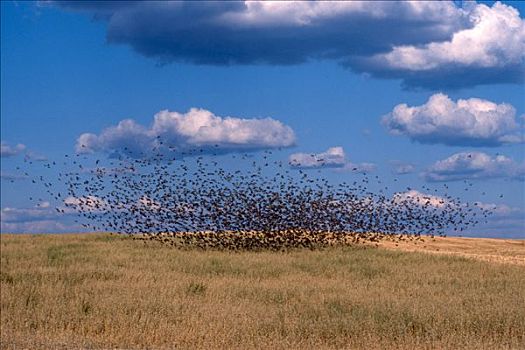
(247, 202)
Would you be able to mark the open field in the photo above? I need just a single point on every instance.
(102, 291)
(509, 251)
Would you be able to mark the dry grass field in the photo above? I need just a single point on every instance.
(509, 251)
(100, 291)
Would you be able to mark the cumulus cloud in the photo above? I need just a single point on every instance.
(41, 226)
(334, 157)
(254, 32)
(40, 218)
(490, 49)
(472, 122)
(493, 220)
(88, 203)
(401, 168)
(179, 132)
(358, 167)
(504, 221)
(430, 43)
(474, 165)
(420, 198)
(502, 210)
(7, 150)
(37, 213)
(43, 217)
(30, 155)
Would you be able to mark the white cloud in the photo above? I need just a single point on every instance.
(198, 128)
(488, 49)
(401, 168)
(430, 43)
(39, 212)
(502, 210)
(41, 218)
(358, 167)
(493, 220)
(41, 226)
(496, 38)
(7, 150)
(504, 221)
(421, 199)
(44, 204)
(474, 165)
(334, 157)
(88, 203)
(473, 122)
(14, 150)
(30, 155)
(305, 13)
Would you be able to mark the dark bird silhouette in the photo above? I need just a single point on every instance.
(189, 198)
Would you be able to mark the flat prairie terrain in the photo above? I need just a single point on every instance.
(95, 291)
(510, 251)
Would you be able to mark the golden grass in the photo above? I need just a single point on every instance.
(101, 291)
(509, 251)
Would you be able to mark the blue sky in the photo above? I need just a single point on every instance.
(327, 73)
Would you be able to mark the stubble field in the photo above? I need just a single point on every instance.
(103, 291)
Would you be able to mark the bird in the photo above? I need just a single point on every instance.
(191, 198)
